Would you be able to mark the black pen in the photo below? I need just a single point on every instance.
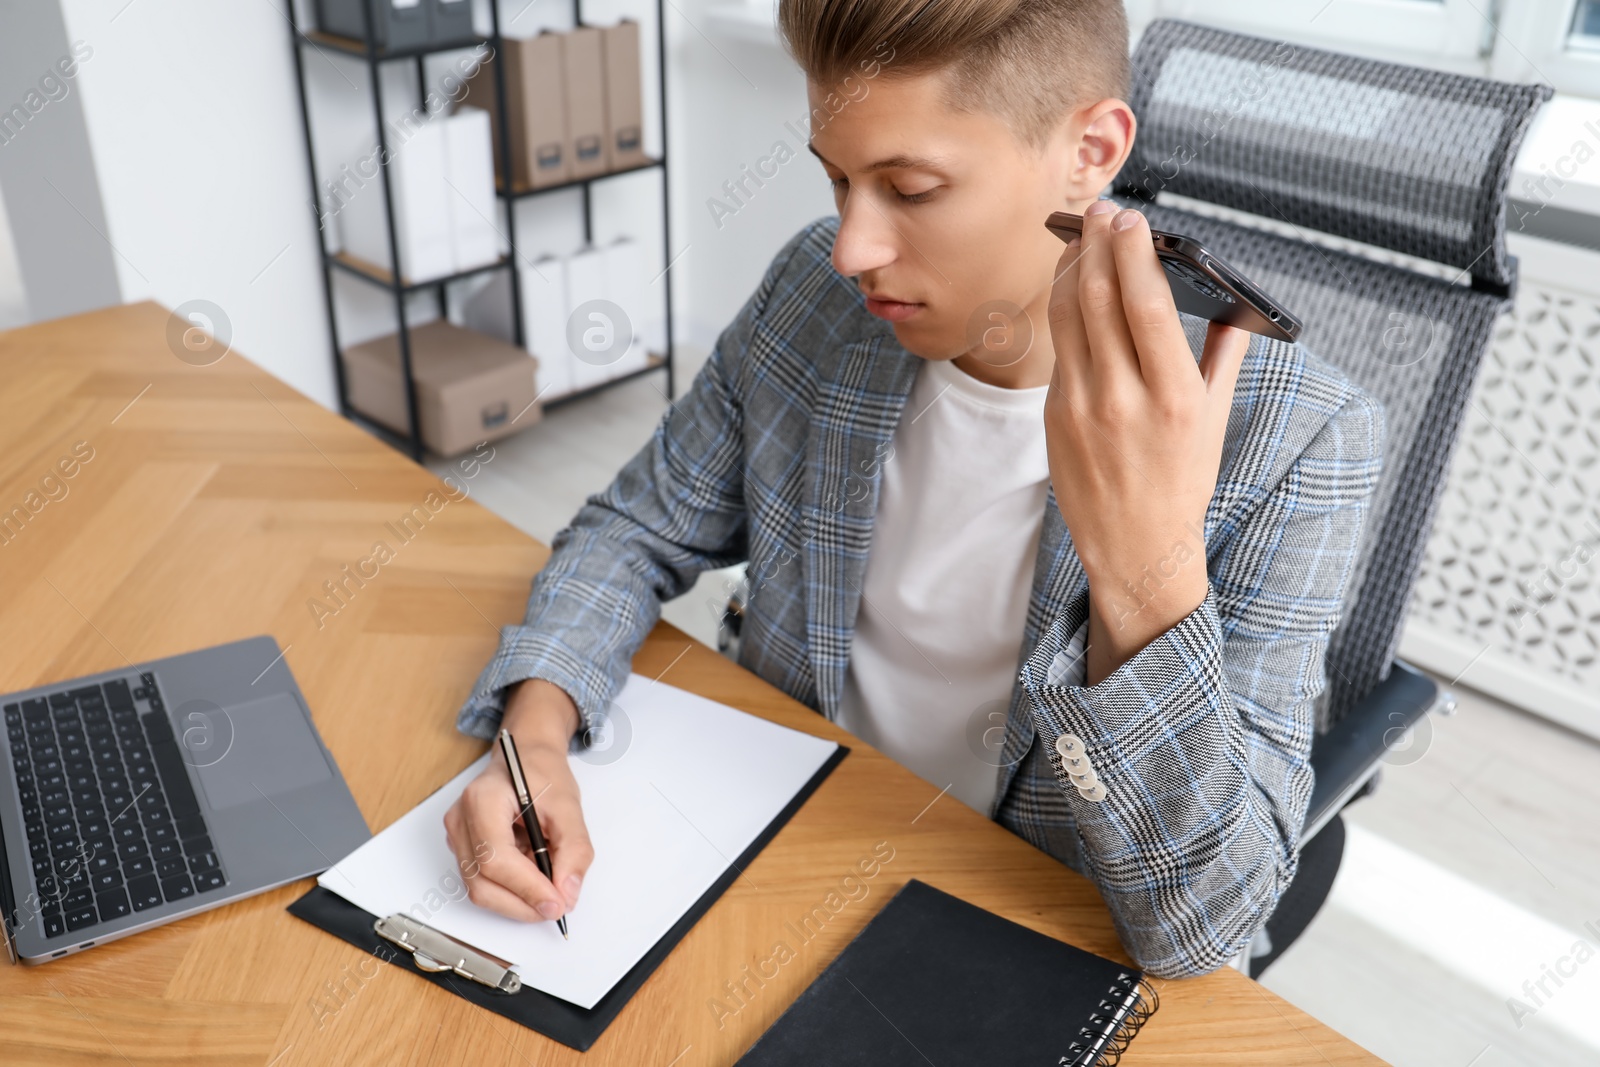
(530, 818)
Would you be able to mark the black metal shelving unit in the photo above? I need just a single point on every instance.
(392, 278)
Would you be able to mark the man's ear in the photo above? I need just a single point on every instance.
(1104, 139)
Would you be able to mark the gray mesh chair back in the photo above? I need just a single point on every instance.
(1396, 157)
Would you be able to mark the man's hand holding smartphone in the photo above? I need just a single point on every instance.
(1134, 430)
(486, 834)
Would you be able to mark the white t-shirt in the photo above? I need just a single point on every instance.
(945, 596)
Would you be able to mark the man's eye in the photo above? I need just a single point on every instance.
(840, 184)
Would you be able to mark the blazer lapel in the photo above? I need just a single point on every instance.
(852, 430)
(1057, 577)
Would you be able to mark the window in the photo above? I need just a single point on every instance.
(1554, 41)
(1585, 31)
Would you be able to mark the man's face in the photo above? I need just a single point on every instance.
(942, 212)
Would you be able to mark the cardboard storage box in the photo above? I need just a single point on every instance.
(470, 386)
(536, 99)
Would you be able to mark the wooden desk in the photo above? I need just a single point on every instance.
(215, 505)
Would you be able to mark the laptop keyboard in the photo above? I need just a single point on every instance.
(113, 824)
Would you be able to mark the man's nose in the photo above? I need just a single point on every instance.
(865, 241)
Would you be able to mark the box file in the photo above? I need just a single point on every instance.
(626, 284)
(469, 175)
(398, 24)
(544, 319)
(395, 23)
(451, 20)
(554, 291)
(421, 210)
(624, 101)
(586, 281)
(583, 64)
(536, 101)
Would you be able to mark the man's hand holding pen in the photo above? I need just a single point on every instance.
(542, 719)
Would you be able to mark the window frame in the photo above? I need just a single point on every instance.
(1534, 45)
(1444, 34)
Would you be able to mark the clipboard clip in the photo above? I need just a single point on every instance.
(434, 951)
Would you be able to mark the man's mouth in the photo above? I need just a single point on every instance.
(886, 307)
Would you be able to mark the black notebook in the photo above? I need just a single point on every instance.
(933, 979)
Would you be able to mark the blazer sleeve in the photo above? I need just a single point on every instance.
(1201, 742)
(674, 510)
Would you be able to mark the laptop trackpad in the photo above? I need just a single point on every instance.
(272, 750)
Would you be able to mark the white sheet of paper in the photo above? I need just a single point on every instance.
(675, 788)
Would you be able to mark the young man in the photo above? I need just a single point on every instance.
(1009, 516)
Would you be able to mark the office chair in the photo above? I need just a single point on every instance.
(1295, 145)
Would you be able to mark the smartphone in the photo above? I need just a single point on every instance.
(1202, 284)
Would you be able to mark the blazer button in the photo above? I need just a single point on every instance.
(1096, 795)
(1070, 746)
(1086, 780)
(1077, 766)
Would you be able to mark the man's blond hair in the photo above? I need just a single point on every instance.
(1028, 61)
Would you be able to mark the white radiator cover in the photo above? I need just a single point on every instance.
(1507, 600)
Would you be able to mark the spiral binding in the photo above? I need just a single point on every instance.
(1125, 1008)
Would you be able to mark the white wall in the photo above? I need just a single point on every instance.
(194, 125)
(56, 225)
(737, 96)
(13, 299)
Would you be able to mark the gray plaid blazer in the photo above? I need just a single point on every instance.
(1201, 740)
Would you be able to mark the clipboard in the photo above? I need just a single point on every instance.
(557, 1019)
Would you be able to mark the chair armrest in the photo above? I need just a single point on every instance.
(1347, 756)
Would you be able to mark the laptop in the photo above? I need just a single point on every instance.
(137, 796)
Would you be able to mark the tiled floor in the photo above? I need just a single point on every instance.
(1468, 873)
(1471, 871)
